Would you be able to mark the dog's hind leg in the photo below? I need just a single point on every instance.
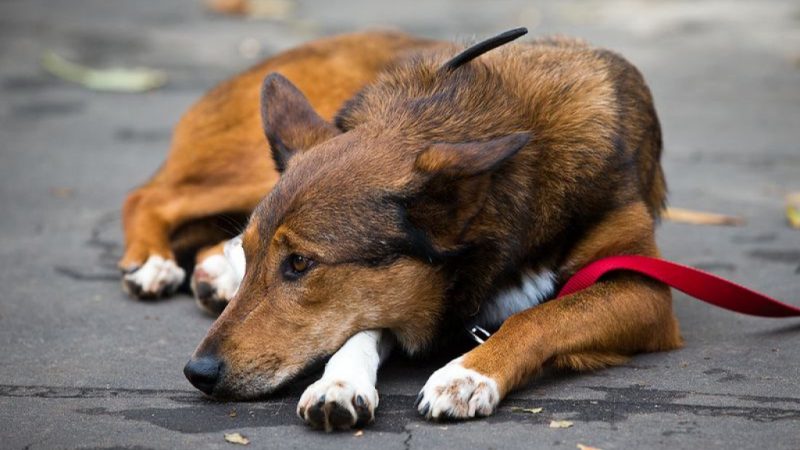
(217, 274)
(152, 213)
(345, 396)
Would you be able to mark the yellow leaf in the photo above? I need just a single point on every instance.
(700, 218)
(793, 209)
(236, 438)
(527, 410)
(256, 9)
(586, 447)
(113, 79)
(560, 424)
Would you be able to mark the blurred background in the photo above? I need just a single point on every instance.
(84, 366)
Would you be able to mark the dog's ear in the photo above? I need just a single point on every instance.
(459, 179)
(290, 123)
(470, 158)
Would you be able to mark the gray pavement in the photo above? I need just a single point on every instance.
(82, 366)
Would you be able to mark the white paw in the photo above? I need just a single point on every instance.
(455, 392)
(234, 253)
(158, 277)
(214, 282)
(338, 404)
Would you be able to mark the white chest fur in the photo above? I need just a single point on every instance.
(536, 287)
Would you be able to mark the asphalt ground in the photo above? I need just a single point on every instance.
(83, 366)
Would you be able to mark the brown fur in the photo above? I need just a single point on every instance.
(434, 193)
(217, 164)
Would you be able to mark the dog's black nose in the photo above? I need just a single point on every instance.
(203, 373)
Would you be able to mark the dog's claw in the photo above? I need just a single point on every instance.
(157, 278)
(456, 392)
(338, 405)
(425, 408)
(418, 400)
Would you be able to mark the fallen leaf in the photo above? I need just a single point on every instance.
(586, 447)
(359, 433)
(233, 413)
(236, 438)
(700, 218)
(270, 9)
(115, 79)
(560, 424)
(527, 410)
(256, 9)
(61, 192)
(233, 7)
(793, 209)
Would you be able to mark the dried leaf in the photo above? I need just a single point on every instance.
(586, 447)
(138, 79)
(236, 438)
(560, 424)
(527, 410)
(793, 209)
(257, 9)
(61, 192)
(233, 7)
(359, 433)
(700, 218)
(270, 9)
(233, 413)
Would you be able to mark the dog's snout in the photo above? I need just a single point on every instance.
(203, 372)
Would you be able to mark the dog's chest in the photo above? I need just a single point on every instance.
(535, 287)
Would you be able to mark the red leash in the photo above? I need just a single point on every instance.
(701, 285)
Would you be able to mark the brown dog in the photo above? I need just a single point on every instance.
(450, 190)
(218, 168)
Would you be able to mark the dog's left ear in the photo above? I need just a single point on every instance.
(290, 123)
(457, 185)
(470, 158)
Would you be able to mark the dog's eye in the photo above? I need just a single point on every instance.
(296, 266)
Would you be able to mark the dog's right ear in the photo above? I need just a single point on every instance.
(290, 123)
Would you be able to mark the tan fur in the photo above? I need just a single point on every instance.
(218, 161)
(434, 193)
(602, 325)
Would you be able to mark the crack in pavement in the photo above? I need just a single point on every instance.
(106, 257)
(407, 440)
(202, 415)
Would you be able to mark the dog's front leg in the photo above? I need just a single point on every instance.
(598, 326)
(345, 396)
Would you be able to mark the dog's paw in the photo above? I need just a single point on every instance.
(338, 405)
(455, 392)
(214, 282)
(158, 277)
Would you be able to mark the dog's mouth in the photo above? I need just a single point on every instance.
(254, 386)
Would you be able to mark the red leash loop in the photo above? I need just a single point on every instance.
(701, 285)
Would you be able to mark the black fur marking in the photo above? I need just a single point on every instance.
(483, 47)
(408, 240)
(280, 152)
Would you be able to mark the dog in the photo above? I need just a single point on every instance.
(218, 170)
(459, 188)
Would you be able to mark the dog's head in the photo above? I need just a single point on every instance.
(356, 235)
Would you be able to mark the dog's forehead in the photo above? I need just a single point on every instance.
(332, 198)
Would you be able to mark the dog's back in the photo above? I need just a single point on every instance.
(450, 185)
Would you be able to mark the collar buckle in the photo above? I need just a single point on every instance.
(478, 334)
